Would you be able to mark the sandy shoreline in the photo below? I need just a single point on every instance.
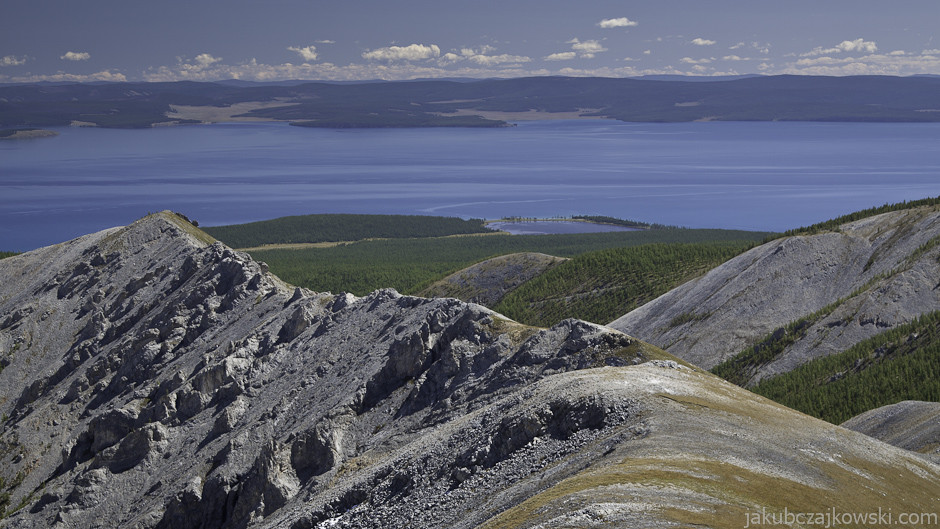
(210, 114)
(529, 115)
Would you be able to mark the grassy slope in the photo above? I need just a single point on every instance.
(408, 265)
(900, 364)
(603, 285)
(341, 227)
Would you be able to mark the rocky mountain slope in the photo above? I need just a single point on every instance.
(912, 425)
(154, 379)
(836, 288)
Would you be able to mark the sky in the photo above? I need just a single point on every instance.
(346, 40)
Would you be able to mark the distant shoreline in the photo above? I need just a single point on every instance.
(26, 134)
(505, 225)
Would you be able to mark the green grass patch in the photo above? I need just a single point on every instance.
(408, 265)
(603, 285)
(4, 255)
(896, 365)
(341, 227)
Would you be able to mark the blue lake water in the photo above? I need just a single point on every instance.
(761, 176)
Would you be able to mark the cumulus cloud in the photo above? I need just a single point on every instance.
(492, 60)
(857, 45)
(76, 56)
(481, 56)
(735, 58)
(413, 52)
(325, 41)
(587, 47)
(307, 53)
(690, 60)
(699, 41)
(563, 56)
(873, 64)
(59, 77)
(204, 60)
(931, 52)
(449, 58)
(622, 22)
(12, 60)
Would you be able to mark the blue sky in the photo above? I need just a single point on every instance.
(204, 40)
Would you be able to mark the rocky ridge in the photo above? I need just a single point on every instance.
(848, 285)
(154, 378)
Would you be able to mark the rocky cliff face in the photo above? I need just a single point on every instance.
(154, 379)
(869, 276)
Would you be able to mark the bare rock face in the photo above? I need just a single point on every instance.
(872, 275)
(154, 379)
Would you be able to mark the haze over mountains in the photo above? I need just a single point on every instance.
(153, 378)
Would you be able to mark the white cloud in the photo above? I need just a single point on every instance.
(325, 41)
(874, 64)
(735, 58)
(413, 52)
(449, 58)
(12, 60)
(491, 60)
(307, 53)
(690, 60)
(204, 60)
(699, 41)
(736, 46)
(479, 56)
(76, 56)
(898, 53)
(584, 49)
(931, 52)
(647, 52)
(588, 47)
(857, 45)
(59, 77)
(563, 56)
(622, 22)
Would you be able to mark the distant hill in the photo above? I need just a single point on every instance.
(912, 425)
(489, 281)
(441, 103)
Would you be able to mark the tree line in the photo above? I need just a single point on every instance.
(899, 364)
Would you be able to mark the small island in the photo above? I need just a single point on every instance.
(26, 134)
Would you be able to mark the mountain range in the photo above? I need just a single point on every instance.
(152, 377)
(480, 103)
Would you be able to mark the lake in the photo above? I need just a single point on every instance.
(760, 176)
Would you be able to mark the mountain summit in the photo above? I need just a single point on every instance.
(154, 378)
